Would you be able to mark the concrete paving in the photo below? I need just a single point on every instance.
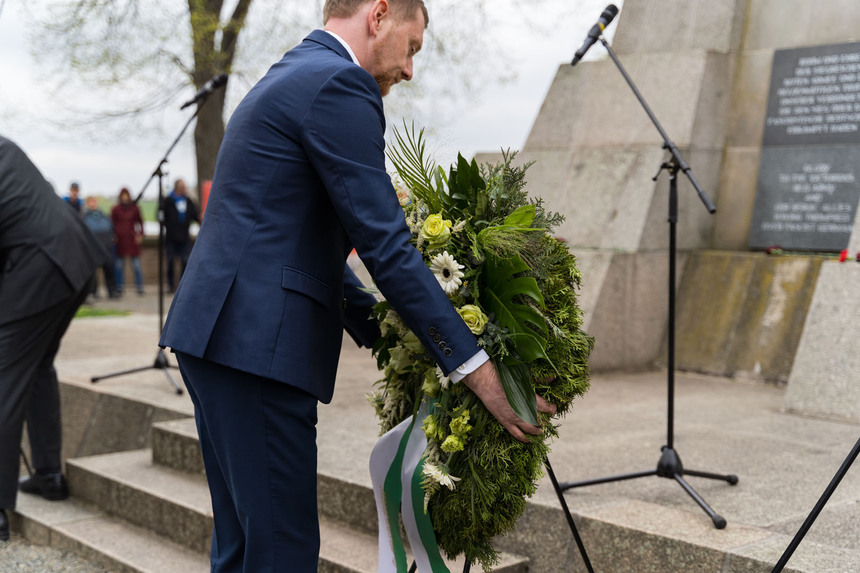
(784, 461)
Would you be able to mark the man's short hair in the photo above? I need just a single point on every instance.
(402, 9)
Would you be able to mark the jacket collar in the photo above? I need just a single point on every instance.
(327, 40)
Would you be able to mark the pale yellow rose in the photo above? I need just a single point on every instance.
(474, 318)
(436, 231)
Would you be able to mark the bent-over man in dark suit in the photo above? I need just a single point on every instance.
(258, 318)
(47, 262)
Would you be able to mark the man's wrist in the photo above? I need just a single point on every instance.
(469, 366)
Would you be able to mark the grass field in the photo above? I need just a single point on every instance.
(88, 312)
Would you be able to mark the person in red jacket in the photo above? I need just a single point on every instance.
(128, 231)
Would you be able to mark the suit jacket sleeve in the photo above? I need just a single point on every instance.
(343, 131)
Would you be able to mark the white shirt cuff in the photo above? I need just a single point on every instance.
(469, 366)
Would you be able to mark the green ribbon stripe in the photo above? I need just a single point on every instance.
(422, 521)
(393, 497)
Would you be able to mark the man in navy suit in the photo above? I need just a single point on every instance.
(257, 320)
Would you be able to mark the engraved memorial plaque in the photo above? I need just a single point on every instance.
(807, 197)
(808, 190)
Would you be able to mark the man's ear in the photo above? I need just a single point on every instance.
(379, 11)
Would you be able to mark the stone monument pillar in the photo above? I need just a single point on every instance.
(825, 379)
(596, 153)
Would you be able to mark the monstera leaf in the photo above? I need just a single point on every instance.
(501, 295)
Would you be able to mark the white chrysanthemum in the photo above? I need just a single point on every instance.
(444, 381)
(440, 476)
(447, 272)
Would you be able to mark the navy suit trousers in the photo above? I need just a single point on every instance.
(258, 438)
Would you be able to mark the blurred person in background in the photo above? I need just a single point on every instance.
(73, 199)
(179, 212)
(128, 231)
(101, 226)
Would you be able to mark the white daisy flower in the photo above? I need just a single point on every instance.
(447, 272)
(444, 381)
(440, 475)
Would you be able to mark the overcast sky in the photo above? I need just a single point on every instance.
(496, 117)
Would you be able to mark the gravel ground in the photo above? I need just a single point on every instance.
(18, 556)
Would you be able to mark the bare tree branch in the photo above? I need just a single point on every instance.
(139, 55)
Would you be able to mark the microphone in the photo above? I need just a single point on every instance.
(593, 34)
(209, 87)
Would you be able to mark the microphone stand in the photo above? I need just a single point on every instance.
(670, 465)
(160, 362)
(813, 515)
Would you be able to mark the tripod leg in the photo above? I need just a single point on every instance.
(26, 462)
(160, 363)
(813, 515)
(719, 522)
(95, 379)
(571, 484)
(731, 478)
(171, 380)
(569, 517)
(161, 360)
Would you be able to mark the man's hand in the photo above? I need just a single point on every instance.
(485, 383)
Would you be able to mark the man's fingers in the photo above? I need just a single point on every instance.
(516, 433)
(533, 430)
(485, 383)
(520, 430)
(544, 406)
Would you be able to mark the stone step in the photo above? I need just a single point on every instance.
(175, 445)
(344, 550)
(129, 486)
(613, 534)
(120, 547)
(106, 541)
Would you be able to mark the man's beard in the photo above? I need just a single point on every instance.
(385, 81)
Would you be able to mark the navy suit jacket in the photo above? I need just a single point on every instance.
(301, 179)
